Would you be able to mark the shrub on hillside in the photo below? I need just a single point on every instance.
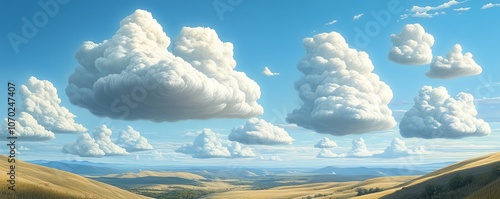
(459, 181)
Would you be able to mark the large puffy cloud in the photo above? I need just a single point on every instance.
(325, 143)
(340, 93)
(208, 145)
(98, 146)
(398, 148)
(412, 46)
(359, 149)
(258, 131)
(27, 129)
(133, 75)
(42, 102)
(132, 140)
(454, 65)
(437, 115)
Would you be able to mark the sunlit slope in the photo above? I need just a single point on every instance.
(41, 180)
(328, 189)
(185, 175)
(480, 168)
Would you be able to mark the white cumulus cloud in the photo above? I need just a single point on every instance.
(268, 72)
(359, 149)
(340, 93)
(41, 114)
(462, 9)
(258, 131)
(98, 146)
(102, 137)
(208, 145)
(326, 153)
(438, 115)
(85, 146)
(398, 148)
(27, 129)
(132, 140)
(454, 65)
(490, 5)
(429, 11)
(134, 76)
(42, 102)
(325, 143)
(237, 150)
(412, 46)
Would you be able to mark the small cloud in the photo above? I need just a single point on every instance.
(412, 46)
(359, 149)
(429, 11)
(209, 145)
(85, 146)
(454, 65)
(237, 150)
(132, 140)
(270, 158)
(98, 146)
(259, 132)
(462, 9)
(356, 17)
(438, 115)
(330, 23)
(424, 14)
(490, 5)
(156, 155)
(23, 148)
(267, 72)
(326, 153)
(398, 148)
(325, 143)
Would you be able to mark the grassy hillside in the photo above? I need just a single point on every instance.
(473, 178)
(141, 174)
(33, 181)
(323, 190)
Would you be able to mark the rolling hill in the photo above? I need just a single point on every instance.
(34, 181)
(473, 178)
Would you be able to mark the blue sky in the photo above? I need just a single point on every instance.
(267, 34)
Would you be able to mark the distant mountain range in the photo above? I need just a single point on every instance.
(101, 169)
(83, 167)
(352, 171)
